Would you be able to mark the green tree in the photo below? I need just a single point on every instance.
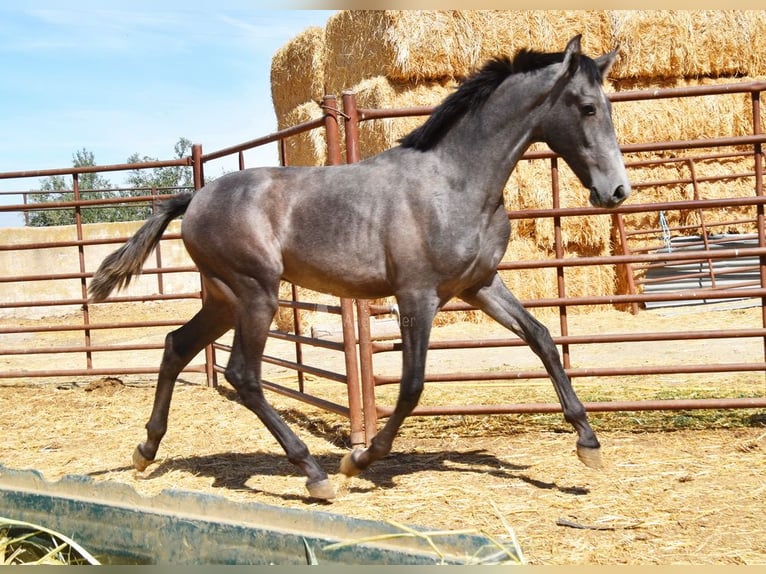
(162, 179)
(60, 188)
(158, 180)
(139, 182)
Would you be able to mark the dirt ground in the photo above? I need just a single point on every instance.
(677, 488)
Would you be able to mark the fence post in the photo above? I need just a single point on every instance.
(559, 249)
(353, 155)
(198, 174)
(758, 159)
(356, 414)
(81, 256)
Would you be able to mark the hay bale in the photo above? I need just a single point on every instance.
(307, 148)
(417, 45)
(541, 283)
(649, 189)
(284, 318)
(529, 187)
(380, 92)
(688, 43)
(507, 31)
(679, 119)
(398, 44)
(297, 71)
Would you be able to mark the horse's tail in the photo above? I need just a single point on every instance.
(119, 267)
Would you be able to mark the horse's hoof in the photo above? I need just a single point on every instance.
(321, 489)
(590, 457)
(140, 462)
(348, 465)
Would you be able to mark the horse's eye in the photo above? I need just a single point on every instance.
(589, 110)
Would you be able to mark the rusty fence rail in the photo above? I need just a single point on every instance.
(357, 346)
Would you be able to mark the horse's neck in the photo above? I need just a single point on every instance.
(489, 143)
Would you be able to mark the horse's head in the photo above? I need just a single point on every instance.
(578, 126)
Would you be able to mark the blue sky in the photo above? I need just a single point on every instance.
(122, 77)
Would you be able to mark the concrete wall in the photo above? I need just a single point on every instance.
(49, 261)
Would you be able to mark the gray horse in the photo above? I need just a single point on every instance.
(423, 221)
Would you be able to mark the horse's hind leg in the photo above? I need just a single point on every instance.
(181, 346)
(499, 303)
(244, 373)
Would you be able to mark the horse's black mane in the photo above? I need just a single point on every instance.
(477, 88)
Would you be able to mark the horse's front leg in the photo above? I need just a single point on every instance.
(499, 303)
(416, 315)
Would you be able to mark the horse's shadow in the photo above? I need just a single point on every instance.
(233, 471)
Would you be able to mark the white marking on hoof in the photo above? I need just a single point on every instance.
(140, 462)
(321, 489)
(590, 457)
(348, 465)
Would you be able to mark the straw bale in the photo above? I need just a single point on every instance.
(507, 31)
(380, 92)
(678, 119)
(529, 187)
(284, 319)
(416, 45)
(541, 283)
(297, 71)
(401, 45)
(688, 43)
(308, 148)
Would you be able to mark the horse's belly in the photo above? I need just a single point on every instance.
(344, 280)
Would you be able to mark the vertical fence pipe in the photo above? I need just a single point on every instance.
(355, 408)
(299, 333)
(198, 174)
(369, 410)
(703, 227)
(758, 159)
(627, 268)
(557, 241)
(158, 251)
(81, 257)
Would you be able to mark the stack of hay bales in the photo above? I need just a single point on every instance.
(681, 49)
(395, 59)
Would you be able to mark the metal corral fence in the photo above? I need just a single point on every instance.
(694, 261)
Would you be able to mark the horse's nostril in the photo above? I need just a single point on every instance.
(619, 193)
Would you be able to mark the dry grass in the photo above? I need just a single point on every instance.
(667, 495)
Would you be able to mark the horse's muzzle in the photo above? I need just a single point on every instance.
(619, 195)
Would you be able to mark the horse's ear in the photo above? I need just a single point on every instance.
(572, 55)
(606, 62)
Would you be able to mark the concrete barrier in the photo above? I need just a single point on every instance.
(36, 282)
